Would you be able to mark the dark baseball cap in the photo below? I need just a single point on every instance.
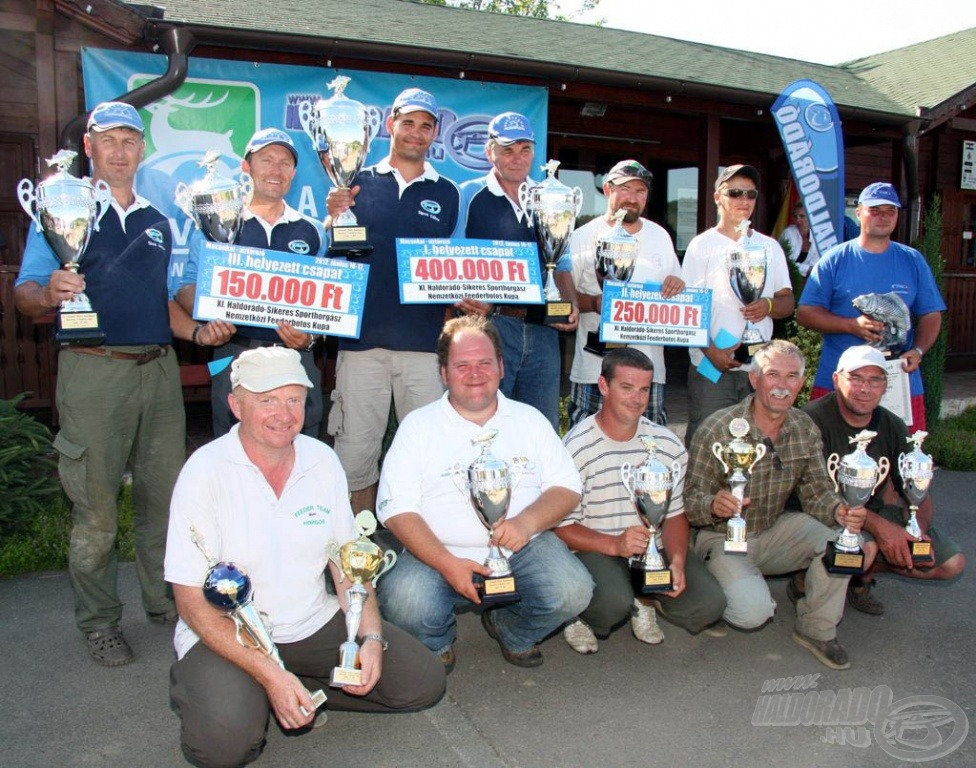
(629, 170)
(747, 171)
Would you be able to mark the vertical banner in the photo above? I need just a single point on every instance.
(810, 130)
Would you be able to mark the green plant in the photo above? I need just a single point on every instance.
(933, 363)
(809, 342)
(952, 442)
(27, 474)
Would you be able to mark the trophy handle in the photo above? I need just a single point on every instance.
(389, 560)
(247, 187)
(332, 552)
(524, 199)
(884, 467)
(903, 463)
(833, 461)
(28, 201)
(307, 120)
(519, 465)
(460, 477)
(627, 478)
(760, 452)
(675, 472)
(103, 199)
(717, 452)
(182, 199)
(375, 121)
(578, 200)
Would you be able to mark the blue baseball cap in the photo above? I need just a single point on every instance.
(879, 193)
(509, 128)
(267, 137)
(115, 114)
(415, 100)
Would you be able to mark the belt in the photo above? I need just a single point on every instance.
(508, 310)
(141, 358)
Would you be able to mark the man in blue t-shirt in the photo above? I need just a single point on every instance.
(872, 264)
(492, 211)
(400, 196)
(270, 158)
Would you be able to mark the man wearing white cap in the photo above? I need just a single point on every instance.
(627, 187)
(492, 211)
(860, 382)
(119, 403)
(271, 160)
(393, 359)
(872, 263)
(270, 500)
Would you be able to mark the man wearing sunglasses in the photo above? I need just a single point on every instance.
(719, 374)
(872, 264)
(860, 382)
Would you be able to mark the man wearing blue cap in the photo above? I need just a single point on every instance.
(400, 196)
(872, 264)
(492, 211)
(120, 403)
(271, 160)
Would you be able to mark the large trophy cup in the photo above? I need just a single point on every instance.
(215, 203)
(359, 560)
(917, 469)
(748, 263)
(650, 486)
(738, 457)
(856, 477)
(553, 208)
(339, 130)
(614, 259)
(66, 210)
(488, 483)
(227, 587)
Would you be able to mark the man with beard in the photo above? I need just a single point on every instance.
(627, 187)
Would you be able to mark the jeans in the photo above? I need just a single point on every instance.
(532, 367)
(553, 584)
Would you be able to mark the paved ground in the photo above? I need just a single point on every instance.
(689, 701)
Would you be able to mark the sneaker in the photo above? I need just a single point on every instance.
(718, 629)
(108, 647)
(643, 623)
(529, 658)
(580, 637)
(448, 659)
(859, 597)
(830, 653)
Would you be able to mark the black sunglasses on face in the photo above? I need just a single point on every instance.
(736, 193)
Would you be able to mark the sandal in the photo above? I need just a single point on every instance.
(108, 647)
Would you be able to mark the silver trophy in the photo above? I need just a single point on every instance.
(649, 487)
(615, 258)
(215, 203)
(748, 263)
(488, 483)
(856, 477)
(66, 210)
(917, 470)
(359, 560)
(891, 310)
(228, 588)
(553, 208)
(738, 457)
(339, 130)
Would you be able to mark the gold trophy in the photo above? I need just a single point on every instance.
(359, 560)
(738, 457)
(916, 469)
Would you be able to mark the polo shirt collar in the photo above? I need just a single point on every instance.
(429, 174)
(503, 411)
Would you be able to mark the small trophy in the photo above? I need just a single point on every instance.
(553, 208)
(891, 310)
(747, 264)
(215, 203)
(359, 560)
(615, 259)
(856, 477)
(649, 487)
(339, 130)
(738, 457)
(916, 469)
(227, 587)
(488, 483)
(66, 210)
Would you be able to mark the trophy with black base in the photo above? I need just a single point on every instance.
(614, 259)
(917, 469)
(748, 262)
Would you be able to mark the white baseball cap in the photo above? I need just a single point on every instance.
(855, 358)
(267, 368)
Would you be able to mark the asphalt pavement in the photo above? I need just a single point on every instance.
(691, 701)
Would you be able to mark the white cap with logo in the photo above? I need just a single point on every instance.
(267, 368)
(858, 357)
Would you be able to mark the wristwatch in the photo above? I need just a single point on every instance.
(378, 638)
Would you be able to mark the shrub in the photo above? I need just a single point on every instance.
(27, 473)
(952, 442)
(933, 363)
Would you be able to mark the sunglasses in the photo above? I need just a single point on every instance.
(770, 448)
(736, 193)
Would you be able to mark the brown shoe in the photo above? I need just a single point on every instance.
(108, 647)
(528, 659)
(448, 659)
(830, 653)
(796, 587)
(859, 597)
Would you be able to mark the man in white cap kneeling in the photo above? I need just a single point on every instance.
(270, 499)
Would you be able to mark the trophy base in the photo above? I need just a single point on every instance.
(558, 312)
(597, 347)
(349, 242)
(647, 582)
(79, 329)
(498, 590)
(318, 699)
(342, 676)
(838, 561)
(922, 556)
(744, 352)
(737, 547)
